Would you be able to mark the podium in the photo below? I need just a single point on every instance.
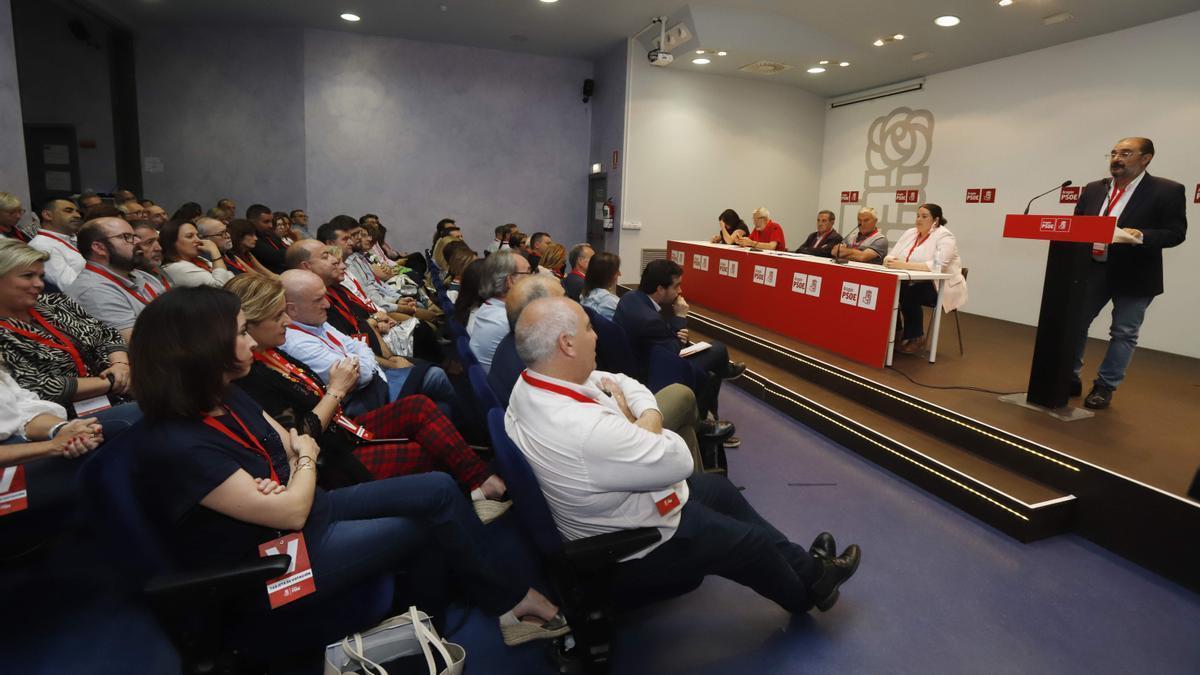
(1061, 316)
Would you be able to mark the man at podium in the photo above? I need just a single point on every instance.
(1152, 211)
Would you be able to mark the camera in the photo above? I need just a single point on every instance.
(658, 57)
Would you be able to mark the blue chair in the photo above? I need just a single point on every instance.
(485, 398)
(579, 570)
(506, 369)
(614, 354)
(665, 367)
(466, 355)
(204, 611)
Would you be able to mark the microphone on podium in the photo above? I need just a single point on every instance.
(1065, 183)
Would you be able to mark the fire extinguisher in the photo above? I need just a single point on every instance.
(610, 214)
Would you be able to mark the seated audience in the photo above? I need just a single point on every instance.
(11, 212)
(928, 247)
(89, 199)
(300, 222)
(156, 215)
(216, 231)
(111, 287)
(767, 235)
(60, 222)
(458, 262)
(868, 246)
(468, 299)
(189, 211)
(51, 345)
(182, 262)
(133, 211)
(578, 260)
(639, 312)
(381, 252)
(606, 463)
(553, 260)
(361, 277)
(537, 247)
(220, 477)
(452, 234)
(32, 429)
(729, 226)
(269, 249)
(443, 227)
(501, 239)
(600, 284)
(488, 324)
(425, 440)
(283, 228)
(239, 259)
(820, 242)
(151, 259)
(519, 241)
(217, 213)
(228, 206)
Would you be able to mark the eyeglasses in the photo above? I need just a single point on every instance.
(1123, 154)
(127, 237)
(223, 234)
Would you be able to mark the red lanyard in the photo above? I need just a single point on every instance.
(863, 237)
(1116, 196)
(579, 274)
(201, 263)
(19, 235)
(920, 240)
(556, 388)
(364, 300)
(163, 278)
(271, 240)
(236, 262)
(63, 343)
(336, 346)
(272, 358)
(113, 278)
(254, 444)
(64, 242)
(341, 307)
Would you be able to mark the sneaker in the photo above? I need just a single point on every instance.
(1099, 398)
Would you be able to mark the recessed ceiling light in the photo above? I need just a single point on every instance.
(816, 70)
(844, 64)
(699, 51)
(878, 43)
(947, 21)
(701, 61)
(722, 53)
(1056, 18)
(548, 2)
(898, 36)
(824, 62)
(921, 56)
(1004, 3)
(351, 17)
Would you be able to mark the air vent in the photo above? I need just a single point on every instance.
(649, 254)
(765, 68)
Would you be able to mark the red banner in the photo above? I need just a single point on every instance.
(835, 307)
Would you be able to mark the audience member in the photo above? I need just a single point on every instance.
(729, 226)
(537, 246)
(468, 299)
(183, 264)
(133, 211)
(422, 438)
(103, 210)
(767, 235)
(156, 214)
(928, 247)
(441, 228)
(216, 231)
(578, 260)
(300, 222)
(606, 463)
(60, 222)
(239, 259)
(457, 264)
(361, 274)
(506, 364)
(11, 212)
(269, 249)
(189, 211)
(820, 242)
(221, 477)
(220, 214)
(501, 238)
(553, 260)
(229, 206)
(110, 287)
(89, 199)
(151, 259)
(488, 324)
(51, 345)
(869, 246)
(32, 429)
(600, 284)
(123, 195)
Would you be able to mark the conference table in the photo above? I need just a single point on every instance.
(847, 308)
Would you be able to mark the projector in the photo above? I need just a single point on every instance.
(658, 57)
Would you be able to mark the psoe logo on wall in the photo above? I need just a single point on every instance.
(1069, 195)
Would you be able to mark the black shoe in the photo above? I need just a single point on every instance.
(1099, 397)
(732, 442)
(734, 370)
(716, 430)
(823, 547)
(837, 570)
(1076, 388)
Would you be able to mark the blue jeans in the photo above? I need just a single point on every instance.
(720, 533)
(436, 384)
(1127, 315)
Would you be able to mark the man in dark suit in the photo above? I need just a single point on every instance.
(656, 314)
(1151, 210)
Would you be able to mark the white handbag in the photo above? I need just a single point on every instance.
(408, 634)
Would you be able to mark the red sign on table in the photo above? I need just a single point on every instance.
(987, 195)
(849, 196)
(1070, 195)
(972, 195)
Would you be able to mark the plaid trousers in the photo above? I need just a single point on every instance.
(433, 443)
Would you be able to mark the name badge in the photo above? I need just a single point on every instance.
(89, 406)
(13, 496)
(668, 503)
(297, 581)
(356, 429)
(361, 337)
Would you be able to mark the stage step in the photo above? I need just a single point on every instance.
(1022, 507)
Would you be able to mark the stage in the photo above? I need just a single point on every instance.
(1118, 478)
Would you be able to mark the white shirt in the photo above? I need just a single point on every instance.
(1119, 207)
(487, 326)
(18, 406)
(65, 263)
(602, 302)
(598, 471)
(938, 253)
(319, 347)
(184, 274)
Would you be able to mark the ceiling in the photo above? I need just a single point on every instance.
(796, 32)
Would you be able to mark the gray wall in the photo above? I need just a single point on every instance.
(608, 124)
(14, 177)
(224, 110)
(419, 131)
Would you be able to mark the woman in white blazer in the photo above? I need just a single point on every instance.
(928, 247)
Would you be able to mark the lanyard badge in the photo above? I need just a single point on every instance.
(297, 581)
(13, 496)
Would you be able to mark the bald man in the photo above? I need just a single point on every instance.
(110, 287)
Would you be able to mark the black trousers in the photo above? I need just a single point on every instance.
(913, 296)
(709, 366)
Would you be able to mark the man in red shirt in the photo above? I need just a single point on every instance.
(767, 235)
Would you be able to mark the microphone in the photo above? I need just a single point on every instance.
(843, 261)
(1065, 183)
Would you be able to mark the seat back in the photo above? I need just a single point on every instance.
(465, 354)
(614, 354)
(528, 500)
(484, 396)
(666, 367)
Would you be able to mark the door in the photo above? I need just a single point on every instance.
(52, 157)
(597, 195)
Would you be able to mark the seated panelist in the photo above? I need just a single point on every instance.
(820, 242)
(869, 246)
(767, 235)
(730, 226)
(928, 247)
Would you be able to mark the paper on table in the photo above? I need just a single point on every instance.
(694, 349)
(1122, 237)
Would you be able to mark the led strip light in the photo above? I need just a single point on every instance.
(876, 443)
(792, 355)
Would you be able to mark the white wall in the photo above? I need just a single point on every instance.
(698, 144)
(14, 175)
(1023, 124)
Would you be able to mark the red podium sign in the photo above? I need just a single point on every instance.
(1082, 229)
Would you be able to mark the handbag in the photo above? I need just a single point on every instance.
(405, 635)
